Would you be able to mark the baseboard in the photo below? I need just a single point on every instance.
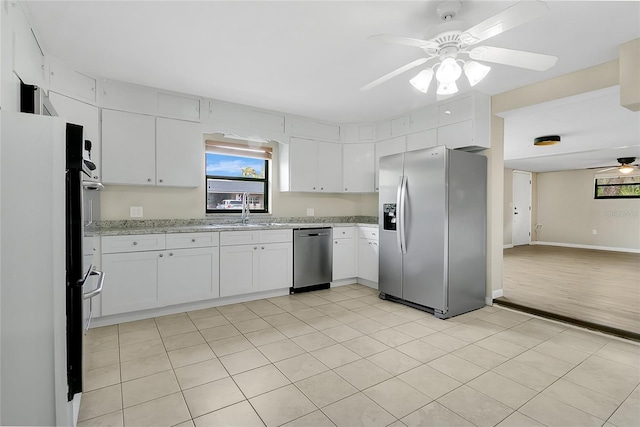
(494, 294)
(509, 246)
(593, 247)
(369, 283)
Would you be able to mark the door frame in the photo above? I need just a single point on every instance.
(513, 199)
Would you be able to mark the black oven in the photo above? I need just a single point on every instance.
(78, 272)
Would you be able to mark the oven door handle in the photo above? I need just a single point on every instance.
(98, 289)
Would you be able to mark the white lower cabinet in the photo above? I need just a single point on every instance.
(131, 282)
(187, 275)
(149, 271)
(255, 267)
(368, 254)
(344, 253)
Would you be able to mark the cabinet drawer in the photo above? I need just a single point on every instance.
(276, 236)
(343, 232)
(192, 240)
(239, 237)
(134, 243)
(368, 233)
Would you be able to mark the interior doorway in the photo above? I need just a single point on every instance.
(521, 213)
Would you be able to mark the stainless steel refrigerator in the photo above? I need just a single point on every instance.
(432, 214)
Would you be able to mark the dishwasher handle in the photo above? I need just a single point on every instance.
(325, 233)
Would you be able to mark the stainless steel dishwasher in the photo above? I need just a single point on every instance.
(312, 259)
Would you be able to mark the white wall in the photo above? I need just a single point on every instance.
(180, 203)
(569, 213)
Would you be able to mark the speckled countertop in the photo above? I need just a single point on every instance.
(227, 223)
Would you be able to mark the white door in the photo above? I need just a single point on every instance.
(521, 208)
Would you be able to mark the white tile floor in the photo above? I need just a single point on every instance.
(344, 357)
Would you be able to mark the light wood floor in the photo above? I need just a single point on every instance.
(601, 287)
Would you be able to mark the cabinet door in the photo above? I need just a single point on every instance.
(179, 153)
(303, 164)
(358, 168)
(185, 275)
(456, 135)
(128, 148)
(344, 259)
(275, 266)
(131, 282)
(386, 148)
(330, 167)
(86, 115)
(368, 259)
(421, 140)
(238, 269)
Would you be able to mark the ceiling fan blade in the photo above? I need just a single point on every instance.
(407, 41)
(518, 14)
(515, 58)
(608, 169)
(394, 73)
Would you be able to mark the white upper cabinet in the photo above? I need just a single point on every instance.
(128, 148)
(330, 167)
(303, 165)
(424, 118)
(128, 97)
(179, 153)
(358, 168)
(72, 83)
(141, 150)
(312, 166)
(299, 126)
(465, 122)
(421, 140)
(181, 107)
(387, 148)
(86, 115)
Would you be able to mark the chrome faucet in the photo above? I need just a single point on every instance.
(245, 208)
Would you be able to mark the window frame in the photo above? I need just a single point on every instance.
(264, 181)
(596, 186)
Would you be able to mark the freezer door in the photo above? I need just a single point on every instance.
(425, 220)
(390, 256)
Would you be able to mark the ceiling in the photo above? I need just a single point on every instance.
(594, 128)
(311, 57)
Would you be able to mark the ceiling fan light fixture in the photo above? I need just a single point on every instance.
(422, 80)
(543, 141)
(475, 72)
(447, 88)
(449, 71)
(625, 169)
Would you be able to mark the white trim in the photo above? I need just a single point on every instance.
(598, 248)
(497, 293)
(509, 246)
(343, 282)
(181, 308)
(369, 283)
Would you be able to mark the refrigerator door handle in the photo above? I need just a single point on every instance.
(399, 214)
(402, 231)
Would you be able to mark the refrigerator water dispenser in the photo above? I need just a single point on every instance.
(389, 210)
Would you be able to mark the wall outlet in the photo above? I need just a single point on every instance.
(594, 232)
(310, 212)
(135, 211)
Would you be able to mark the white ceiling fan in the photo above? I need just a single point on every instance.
(625, 166)
(449, 40)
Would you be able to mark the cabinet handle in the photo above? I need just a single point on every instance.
(148, 179)
(314, 188)
(135, 243)
(161, 181)
(369, 243)
(373, 234)
(255, 247)
(170, 253)
(345, 189)
(263, 248)
(161, 255)
(193, 240)
(336, 242)
(322, 188)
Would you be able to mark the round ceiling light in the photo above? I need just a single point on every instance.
(546, 140)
